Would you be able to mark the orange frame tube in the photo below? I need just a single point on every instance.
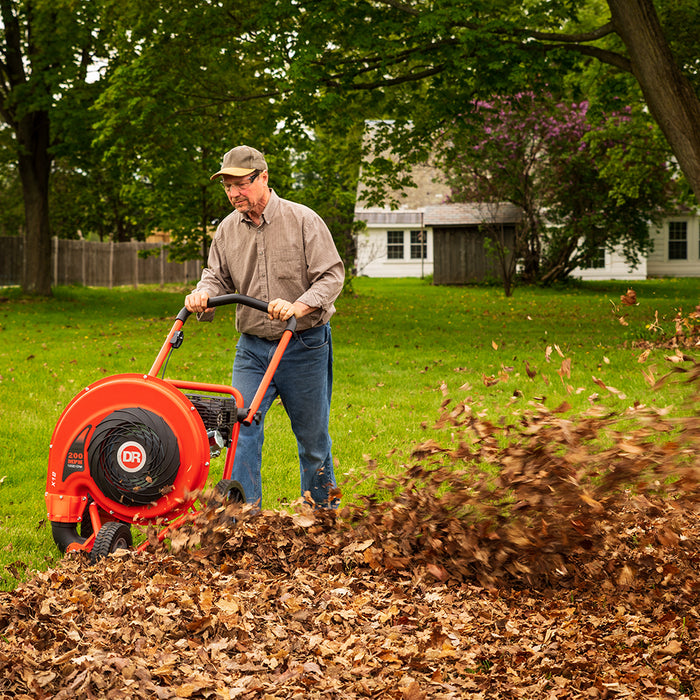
(267, 377)
(165, 348)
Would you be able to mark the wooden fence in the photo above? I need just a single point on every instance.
(95, 264)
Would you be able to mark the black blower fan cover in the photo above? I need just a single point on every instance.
(133, 457)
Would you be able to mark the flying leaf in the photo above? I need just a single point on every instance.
(649, 377)
(439, 572)
(630, 298)
(303, 519)
(565, 369)
(489, 380)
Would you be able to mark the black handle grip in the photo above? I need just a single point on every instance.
(226, 299)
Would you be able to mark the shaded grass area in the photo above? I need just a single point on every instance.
(402, 347)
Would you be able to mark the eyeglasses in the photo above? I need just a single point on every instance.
(240, 186)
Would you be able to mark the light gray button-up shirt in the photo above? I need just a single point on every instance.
(291, 256)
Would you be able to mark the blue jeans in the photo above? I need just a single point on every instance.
(304, 382)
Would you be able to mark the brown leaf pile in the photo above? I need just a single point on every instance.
(544, 557)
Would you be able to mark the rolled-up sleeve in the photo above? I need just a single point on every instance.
(324, 267)
(216, 279)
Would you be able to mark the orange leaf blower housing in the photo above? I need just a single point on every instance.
(135, 448)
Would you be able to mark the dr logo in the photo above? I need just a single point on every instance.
(131, 456)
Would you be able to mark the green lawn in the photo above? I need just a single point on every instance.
(402, 347)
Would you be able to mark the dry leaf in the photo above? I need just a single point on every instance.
(630, 298)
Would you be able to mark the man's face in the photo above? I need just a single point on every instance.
(247, 193)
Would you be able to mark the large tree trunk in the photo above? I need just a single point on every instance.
(34, 168)
(668, 94)
(24, 106)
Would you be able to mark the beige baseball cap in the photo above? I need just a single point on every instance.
(241, 160)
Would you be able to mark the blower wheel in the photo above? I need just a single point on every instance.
(133, 457)
(113, 535)
(231, 490)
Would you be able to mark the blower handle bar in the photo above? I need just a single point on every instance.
(225, 299)
(213, 302)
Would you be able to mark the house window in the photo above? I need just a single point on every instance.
(394, 245)
(677, 240)
(598, 259)
(419, 245)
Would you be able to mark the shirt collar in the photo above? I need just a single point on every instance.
(269, 211)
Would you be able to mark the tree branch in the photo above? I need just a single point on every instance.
(602, 31)
(226, 99)
(371, 63)
(388, 82)
(550, 40)
(610, 57)
(14, 66)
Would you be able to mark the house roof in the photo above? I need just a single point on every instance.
(472, 214)
(386, 216)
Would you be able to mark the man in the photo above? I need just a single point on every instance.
(282, 252)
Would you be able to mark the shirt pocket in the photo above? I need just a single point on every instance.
(289, 262)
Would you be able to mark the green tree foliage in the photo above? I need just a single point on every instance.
(47, 49)
(618, 182)
(195, 79)
(189, 85)
(433, 58)
(584, 180)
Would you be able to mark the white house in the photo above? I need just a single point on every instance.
(397, 242)
(400, 242)
(394, 244)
